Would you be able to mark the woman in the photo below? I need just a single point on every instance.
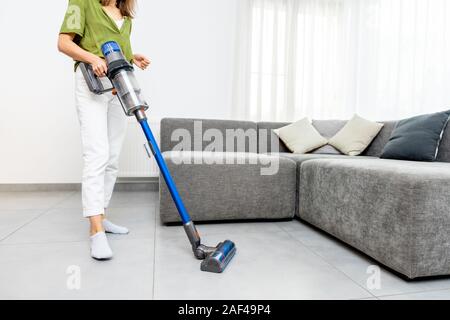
(87, 25)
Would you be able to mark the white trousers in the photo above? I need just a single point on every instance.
(103, 126)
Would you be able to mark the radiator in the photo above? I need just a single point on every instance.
(134, 161)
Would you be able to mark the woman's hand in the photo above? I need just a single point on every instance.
(141, 61)
(99, 66)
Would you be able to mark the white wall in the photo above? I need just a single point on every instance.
(190, 43)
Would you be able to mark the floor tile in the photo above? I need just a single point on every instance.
(119, 200)
(429, 295)
(225, 229)
(31, 200)
(66, 225)
(139, 220)
(71, 202)
(355, 264)
(57, 225)
(11, 220)
(133, 199)
(267, 266)
(41, 271)
(45, 234)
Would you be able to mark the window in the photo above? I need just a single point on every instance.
(382, 59)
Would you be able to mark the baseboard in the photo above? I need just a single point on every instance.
(123, 184)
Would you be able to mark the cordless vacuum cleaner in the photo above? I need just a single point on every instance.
(124, 84)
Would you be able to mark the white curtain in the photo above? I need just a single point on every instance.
(330, 59)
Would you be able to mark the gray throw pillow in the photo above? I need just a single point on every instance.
(418, 138)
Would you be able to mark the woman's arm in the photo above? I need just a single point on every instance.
(67, 46)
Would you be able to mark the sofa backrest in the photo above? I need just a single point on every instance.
(444, 148)
(265, 131)
(173, 128)
(375, 149)
(328, 128)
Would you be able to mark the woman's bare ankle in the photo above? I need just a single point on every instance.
(94, 231)
(96, 224)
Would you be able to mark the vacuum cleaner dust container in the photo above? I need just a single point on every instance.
(130, 99)
(121, 74)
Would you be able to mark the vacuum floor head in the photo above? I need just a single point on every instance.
(219, 259)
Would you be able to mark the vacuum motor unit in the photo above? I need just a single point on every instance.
(121, 74)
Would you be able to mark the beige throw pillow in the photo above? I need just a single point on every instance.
(301, 137)
(356, 136)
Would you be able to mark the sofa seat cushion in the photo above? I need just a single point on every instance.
(300, 158)
(230, 186)
(395, 211)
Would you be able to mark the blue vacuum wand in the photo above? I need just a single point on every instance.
(121, 74)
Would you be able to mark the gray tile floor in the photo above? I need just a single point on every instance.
(44, 254)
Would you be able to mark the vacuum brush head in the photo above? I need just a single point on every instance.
(218, 260)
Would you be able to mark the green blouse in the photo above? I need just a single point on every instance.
(93, 27)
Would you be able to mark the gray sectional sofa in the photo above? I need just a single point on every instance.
(397, 212)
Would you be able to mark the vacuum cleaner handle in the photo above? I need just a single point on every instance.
(94, 83)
